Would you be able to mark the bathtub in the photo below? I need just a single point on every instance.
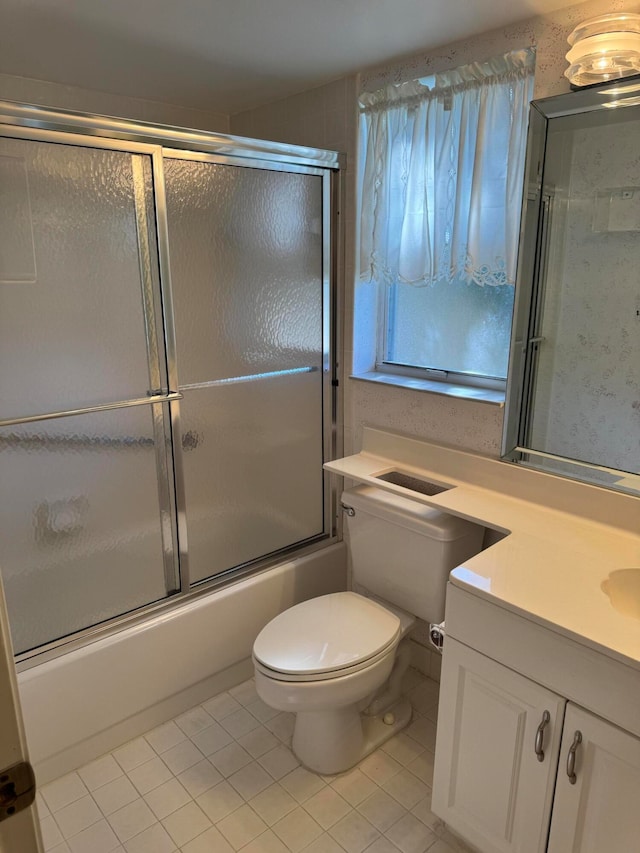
(95, 698)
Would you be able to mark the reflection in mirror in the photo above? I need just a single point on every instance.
(574, 383)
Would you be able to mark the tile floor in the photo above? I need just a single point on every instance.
(222, 778)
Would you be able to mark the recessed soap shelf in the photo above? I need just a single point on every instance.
(414, 484)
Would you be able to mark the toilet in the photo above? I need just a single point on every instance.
(337, 661)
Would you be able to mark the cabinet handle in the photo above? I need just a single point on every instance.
(546, 717)
(571, 758)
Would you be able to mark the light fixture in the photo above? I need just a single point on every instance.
(604, 48)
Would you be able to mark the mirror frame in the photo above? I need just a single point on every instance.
(529, 294)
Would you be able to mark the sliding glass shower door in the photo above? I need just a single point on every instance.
(167, 385)
(247, 272)
(85, 521)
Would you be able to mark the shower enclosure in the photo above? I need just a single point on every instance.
(167, 370)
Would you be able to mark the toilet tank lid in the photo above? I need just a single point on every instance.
(325, 634)
(414, 515)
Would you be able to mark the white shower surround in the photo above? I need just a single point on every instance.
(90, 700)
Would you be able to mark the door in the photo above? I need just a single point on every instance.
(496, 753)
(249, 277)
(19, 831)
(597, 802)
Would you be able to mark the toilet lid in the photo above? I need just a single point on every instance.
(325, 634)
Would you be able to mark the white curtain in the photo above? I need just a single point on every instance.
(442, 171)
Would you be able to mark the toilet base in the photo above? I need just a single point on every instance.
(333, 742)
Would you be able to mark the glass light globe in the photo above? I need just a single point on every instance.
(604, 48)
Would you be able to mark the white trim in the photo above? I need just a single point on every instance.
(444, 389)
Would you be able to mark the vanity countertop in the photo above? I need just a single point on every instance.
(550, 566)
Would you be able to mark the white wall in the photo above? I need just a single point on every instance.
(57, 96)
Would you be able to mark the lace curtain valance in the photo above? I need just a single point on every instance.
(442, 165)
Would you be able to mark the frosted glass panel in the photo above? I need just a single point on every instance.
(246, 269)
(253, 469)
(72, 330)
(80, 523)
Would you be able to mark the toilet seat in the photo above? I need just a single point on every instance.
(326, 637)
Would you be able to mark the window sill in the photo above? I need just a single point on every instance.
(443, 389)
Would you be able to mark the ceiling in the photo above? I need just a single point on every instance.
(230, 55)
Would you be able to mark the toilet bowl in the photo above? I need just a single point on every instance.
(337, 661)
(329, 679)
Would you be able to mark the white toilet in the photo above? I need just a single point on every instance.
(337, 661)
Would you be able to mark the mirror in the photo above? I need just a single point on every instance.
(573, 394)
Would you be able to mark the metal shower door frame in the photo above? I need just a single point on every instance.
(159, 142)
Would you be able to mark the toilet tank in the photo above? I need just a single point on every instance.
(402, 550)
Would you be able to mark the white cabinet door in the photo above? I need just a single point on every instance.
(489, 784)
(20, 832)
(600, 811)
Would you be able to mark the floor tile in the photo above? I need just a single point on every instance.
(241, 827)
(382, 845)
(166, 798)
(211, 739)
(354, 786)
(302, 784)
(100, 771)
(114, 795)
(221, 706)
(239, 723)
(381, 810)
(211, 841)
(250, 780)
(259, 741)
(324, 844)
(200, 778)
(410, 835)
(268, 842)
(279, 761)
(245, 693)
(194, 720)
(63, 791)
(228, 762)
(230, 759)
(406, 788)
(422, 811)
(131, 820)
(297, 830)
(152, 840)
(98, 838)
(422, 767)
(164, 737)
(51, 835)
(423, 731)
(273, 803)
(380, 766)
(354, 833)
(133, 754)
(77, 816)
(219, 801)
(403, 748)
(149, 775)
(60, 848)
(186, 823)
(327, 807)
(181, 756)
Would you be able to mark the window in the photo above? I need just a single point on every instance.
(442, 163)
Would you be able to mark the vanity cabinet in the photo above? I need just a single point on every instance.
(518, 768)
